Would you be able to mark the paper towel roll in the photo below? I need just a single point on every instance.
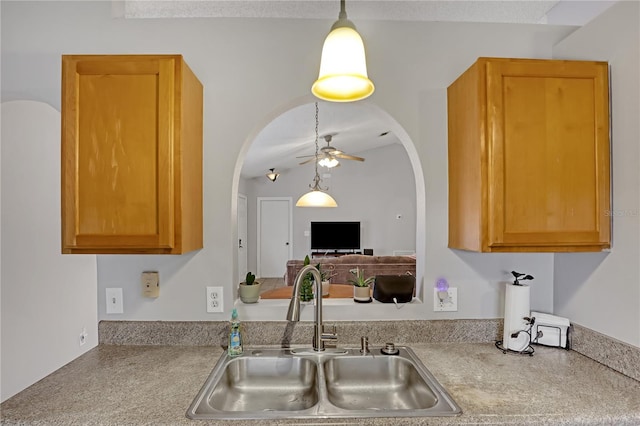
(516, 307)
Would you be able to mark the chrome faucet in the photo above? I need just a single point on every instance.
(293, 314)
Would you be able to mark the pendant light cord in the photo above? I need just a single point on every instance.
(343, 21)
(316, 179)
(343, 10)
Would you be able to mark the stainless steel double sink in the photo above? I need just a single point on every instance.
(290, 383)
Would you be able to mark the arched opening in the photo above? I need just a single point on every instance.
(304, 178)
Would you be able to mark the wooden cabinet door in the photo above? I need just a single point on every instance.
(548, 155)
(117, 153)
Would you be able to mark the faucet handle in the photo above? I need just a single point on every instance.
(326, 336)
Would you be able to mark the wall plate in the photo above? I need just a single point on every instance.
(445, 301)
(150, 281)
(115, 304)
(214, 300)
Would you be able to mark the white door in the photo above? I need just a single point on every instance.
(242, 236)
(274, 236)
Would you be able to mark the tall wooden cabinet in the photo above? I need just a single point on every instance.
(131, 155)
(529, 156)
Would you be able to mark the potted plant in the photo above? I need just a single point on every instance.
(306, 288)
(325, 276)
(249, 290)
(361, 290)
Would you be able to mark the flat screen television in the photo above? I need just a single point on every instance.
(335, 235)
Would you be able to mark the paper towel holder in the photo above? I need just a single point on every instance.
(529, 349)
(528, 322)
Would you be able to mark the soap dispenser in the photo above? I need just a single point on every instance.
(235, 336)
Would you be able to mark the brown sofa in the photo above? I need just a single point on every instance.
(340, 267)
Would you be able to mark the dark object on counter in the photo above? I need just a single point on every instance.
(386, 288)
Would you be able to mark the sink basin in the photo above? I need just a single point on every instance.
(301, 384)
(276, 382)
(270, 383)
(377, 383)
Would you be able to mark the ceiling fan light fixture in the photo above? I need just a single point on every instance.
(328, 162)
(272, 175)
(343, 65)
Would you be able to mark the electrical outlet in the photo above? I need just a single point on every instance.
(214, 299)
(83, 336)
(445, 300)
(150, 281)
(115, 303)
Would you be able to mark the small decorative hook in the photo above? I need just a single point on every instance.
(518, 276)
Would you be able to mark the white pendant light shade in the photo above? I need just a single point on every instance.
(316, 198)
(343, 68)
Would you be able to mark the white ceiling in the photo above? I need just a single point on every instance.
(514, 11)
(357, 126)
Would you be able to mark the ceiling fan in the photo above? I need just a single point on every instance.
(328, 155)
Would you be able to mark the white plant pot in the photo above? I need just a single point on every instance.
(361, 294)
(249, 293)
(325, 288)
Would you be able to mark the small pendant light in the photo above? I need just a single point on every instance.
(343, 66)
(272, 175)
(317, 197)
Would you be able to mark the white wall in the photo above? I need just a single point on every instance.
(47, 298)
(602, 290)
(372, 192)
(247, 81)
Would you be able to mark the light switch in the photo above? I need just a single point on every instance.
(150, 284)
(114, 301)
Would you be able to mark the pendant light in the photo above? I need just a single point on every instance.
(343, 66)
(317, 197)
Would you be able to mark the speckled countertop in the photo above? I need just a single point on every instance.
(154, 385)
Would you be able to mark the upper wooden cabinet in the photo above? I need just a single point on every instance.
(529, 156)
(131, 155)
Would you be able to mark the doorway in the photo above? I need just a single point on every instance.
(274, 231)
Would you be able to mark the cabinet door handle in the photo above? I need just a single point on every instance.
(240, 243)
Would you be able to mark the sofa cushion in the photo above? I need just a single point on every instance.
(339, 268)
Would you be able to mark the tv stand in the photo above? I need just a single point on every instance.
(333, 253)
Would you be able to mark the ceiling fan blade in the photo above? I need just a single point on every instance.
(305, 156)
(308, 161)
(349, 157)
